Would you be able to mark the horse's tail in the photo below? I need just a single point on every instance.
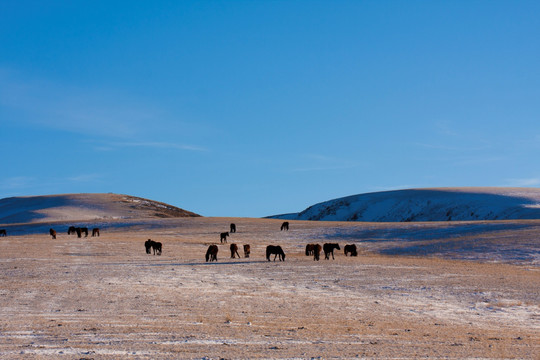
(207, 255)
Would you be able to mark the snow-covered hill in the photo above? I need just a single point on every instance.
(83, 207)
(437, 204)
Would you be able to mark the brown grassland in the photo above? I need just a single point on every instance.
(105, 298)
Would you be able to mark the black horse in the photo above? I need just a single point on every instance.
(95, 232)
(276, 251)
(3, 232)
(233, 228)
(329, 249)
(148, 246)
(52, 232)
(223, 237)
(350, 249)
(285, 226)
(78, 231)
(316, 251)
(211, 253)
(153, 245)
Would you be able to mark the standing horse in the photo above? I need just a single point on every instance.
(211, 253)
(95, 232)
(247, 250)
(275, 250)
(52, 232)
(72, 230)
(234, 251)
(233, 228)
(3, 232)
(309, 249)
(148, 246)
(350, 249)
(223, 237)
(316, 251)
(285, 226)
(329, 249)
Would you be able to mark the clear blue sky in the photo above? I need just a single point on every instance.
(255, 108)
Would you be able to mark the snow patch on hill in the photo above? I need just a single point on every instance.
(441, 204)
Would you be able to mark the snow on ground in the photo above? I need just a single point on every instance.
(105, 298)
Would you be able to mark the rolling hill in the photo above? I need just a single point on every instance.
(83, 207)
(435, 204)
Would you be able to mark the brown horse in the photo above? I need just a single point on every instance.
(247, 250)
(223, 237)
(95, 232)
(329, 249)
(285, 226)
(3, 232)
(52, 232)
(276, 251)
(211, 253)
(234, 251)
(309, 249)
(350, 249)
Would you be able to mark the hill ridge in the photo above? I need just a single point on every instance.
(428, 204)
(83, 207)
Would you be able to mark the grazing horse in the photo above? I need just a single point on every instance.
(211, 253)
(78, 231)
(234, 250)
(247, 250)
(3, 232)
(309, 249)
(53, 233)
(95, 232)
(85, 231)
(329, 249)
(316, 251)
(276, 250)
(156, 246)
(285, 226)
(233, 228)
(223, 237)
(350, 249)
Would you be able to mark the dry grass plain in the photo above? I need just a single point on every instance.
(105, 298)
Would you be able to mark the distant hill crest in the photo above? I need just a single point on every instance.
(84, 207)
(430, 204)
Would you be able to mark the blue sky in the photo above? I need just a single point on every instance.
(255, 108)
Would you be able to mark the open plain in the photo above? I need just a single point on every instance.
(438, 290)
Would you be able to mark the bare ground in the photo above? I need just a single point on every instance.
(103, 298)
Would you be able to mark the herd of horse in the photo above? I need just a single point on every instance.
(311, 249)
(211, 254)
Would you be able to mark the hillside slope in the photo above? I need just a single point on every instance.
(81, 207)
(437, 204)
